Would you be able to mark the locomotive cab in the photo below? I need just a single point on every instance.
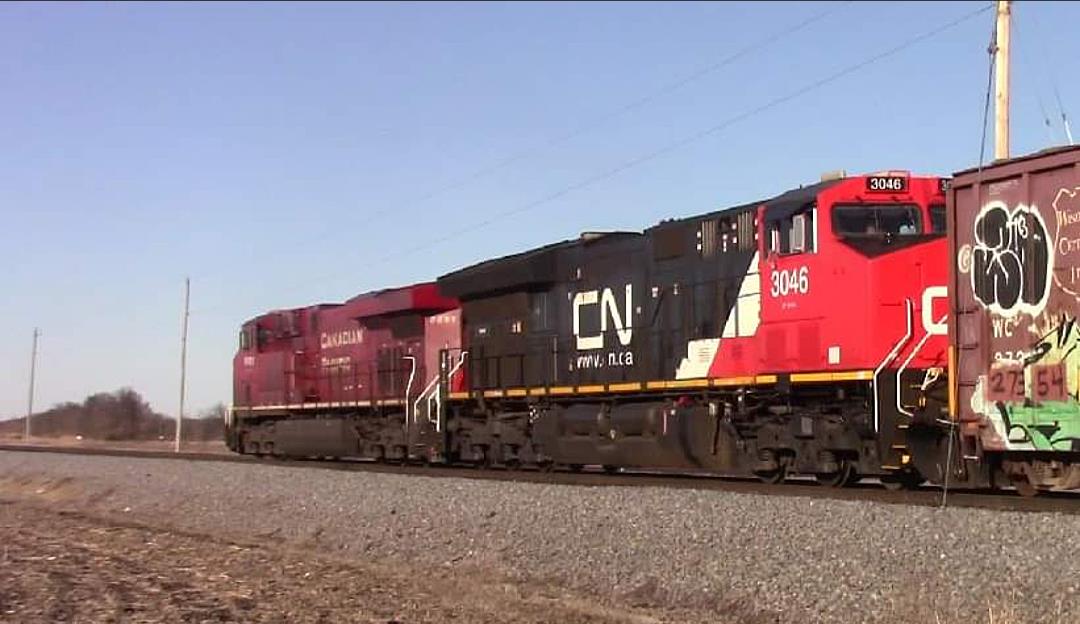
(873, 244)
(854, 287)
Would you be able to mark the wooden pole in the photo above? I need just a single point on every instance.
(183, 361)
(33, 370)
(1001, 82)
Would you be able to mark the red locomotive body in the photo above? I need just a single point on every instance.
(369, 352)
(834, 294)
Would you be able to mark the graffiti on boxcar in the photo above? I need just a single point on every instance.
(1030, 401)
(1066, 207)
(1010, 260)
(1024, 270)
(1060, 341)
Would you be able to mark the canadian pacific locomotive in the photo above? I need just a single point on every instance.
(892, 325)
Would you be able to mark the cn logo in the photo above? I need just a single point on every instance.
(934, 327)
(609, 312)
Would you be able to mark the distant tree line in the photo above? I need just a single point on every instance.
(120, 415)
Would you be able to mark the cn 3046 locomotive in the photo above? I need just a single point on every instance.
(904, 327)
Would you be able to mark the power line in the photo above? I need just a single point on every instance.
(595, 122)
(1053, 80)
(675, 145)
(992, 51)
(632, 106)
(671, 147)
(1037, 91)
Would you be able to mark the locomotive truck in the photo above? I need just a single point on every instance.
(905, 327)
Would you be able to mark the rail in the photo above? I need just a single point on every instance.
(926, 496)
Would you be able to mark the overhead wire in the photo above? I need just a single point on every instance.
(630, 107)
(594, 123)
(1053, 77)
(1036, 92)
(677, 144)
(991, 50)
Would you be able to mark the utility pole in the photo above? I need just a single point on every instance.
(183, 360)
(1001, 82)
(33, 369)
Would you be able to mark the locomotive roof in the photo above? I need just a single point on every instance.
(533, 266)
(415, 297)
(538, 265)
(704, 215)
(777, 207)
(792, 201)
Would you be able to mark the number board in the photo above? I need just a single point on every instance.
(944, 184)
(886, 184)
(1005, 384)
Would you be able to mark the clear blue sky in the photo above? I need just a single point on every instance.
(251, 145)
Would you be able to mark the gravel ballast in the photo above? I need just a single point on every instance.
(738, 557)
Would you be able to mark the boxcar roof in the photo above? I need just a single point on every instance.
(1050, 151)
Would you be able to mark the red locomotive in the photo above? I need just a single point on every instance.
(806, 333)
(297, 371)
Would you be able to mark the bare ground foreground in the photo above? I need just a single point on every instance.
(92, 538)
(64, 565)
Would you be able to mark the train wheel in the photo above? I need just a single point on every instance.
(772, 477)
(611, 469)
(486, 461)
(1024, 487)
(901, 481)
(777, 471)
(842, 477)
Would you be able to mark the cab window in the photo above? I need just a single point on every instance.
(245, 339)
(793, 234)
(876, 220)
(937, 218)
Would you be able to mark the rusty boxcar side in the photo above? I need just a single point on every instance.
(1014, 241)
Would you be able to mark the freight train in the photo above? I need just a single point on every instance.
(905, 327)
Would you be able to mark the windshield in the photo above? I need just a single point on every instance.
(877, 220)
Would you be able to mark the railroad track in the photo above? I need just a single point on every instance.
(925, 496)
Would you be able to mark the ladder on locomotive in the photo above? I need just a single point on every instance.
(909, 388)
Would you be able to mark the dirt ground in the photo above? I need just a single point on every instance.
(189, 446)
(64, 565)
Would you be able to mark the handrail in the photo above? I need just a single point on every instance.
(408, 389)
(433, 387)
(891, 356)
(439, 397)
(904, 366)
